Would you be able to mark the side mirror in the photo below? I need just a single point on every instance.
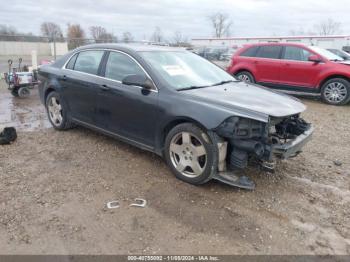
(138, 80)
(315, 59)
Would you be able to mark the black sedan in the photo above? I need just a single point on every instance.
(203, 121)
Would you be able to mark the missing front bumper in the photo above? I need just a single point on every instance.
(266, 161)
(293, 147)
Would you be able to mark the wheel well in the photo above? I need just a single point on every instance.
(174, 123)
(47, 92)
(331, 77)
(243, 70)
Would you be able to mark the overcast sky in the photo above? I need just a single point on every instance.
(140, 17)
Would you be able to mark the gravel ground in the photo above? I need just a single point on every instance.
(55, 186)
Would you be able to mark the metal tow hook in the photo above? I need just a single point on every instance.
(113, 204)
(139, 203)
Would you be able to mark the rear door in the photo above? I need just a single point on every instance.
(80, 84)
(129, 111)
(267, 64)
(297, 70)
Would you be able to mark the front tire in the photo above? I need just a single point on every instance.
(191, 154)
(245, 76)
(14, 92)
(57, 112)
(336, 91)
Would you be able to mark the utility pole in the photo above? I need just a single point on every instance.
(54, 45)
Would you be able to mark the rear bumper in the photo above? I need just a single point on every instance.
(293, 147)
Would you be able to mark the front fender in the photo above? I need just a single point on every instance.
(331, 74)
(211, 116)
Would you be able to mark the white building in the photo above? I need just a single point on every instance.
(335, 41)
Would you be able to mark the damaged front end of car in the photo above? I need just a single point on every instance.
(245, 142)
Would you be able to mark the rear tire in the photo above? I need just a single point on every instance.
(23, 92)
(336, 91)
(191, 154)
(57, 112)
(245, 76)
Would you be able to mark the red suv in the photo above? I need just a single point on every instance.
(294, 67)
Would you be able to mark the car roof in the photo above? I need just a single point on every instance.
(278, 44)
(132, 47)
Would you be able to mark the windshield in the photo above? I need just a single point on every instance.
(325, 53)
(183, 70)
(340, 53)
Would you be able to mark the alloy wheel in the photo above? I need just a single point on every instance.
(188, 154)
(244, 77)
(55, 111)
(335, 92)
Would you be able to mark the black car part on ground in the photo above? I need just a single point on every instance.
(8, 135)
(251, 139)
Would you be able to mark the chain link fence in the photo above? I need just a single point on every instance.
(15, 47)
(72, 42)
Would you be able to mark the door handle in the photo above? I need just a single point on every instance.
(104, 87)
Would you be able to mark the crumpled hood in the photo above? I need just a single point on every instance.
(239, 95)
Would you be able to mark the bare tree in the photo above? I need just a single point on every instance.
(97, 32)
(328, 27)
(109, 38)
(221, 23)
(8, 33)
(75, 35)
(127, 37)
(100, 34)
(157, 35)
(51, 30)
(179, 38)
(300, 32)
(7, 30)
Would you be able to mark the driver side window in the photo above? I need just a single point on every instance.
(119, 66)
(296, 53)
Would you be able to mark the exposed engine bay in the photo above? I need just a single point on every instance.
(251, 141)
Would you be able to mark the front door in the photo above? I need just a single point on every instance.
(129, 111)
(297, 70)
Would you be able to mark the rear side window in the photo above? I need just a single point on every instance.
(71, 62)
(250, 52)
(119, 66)
(88, 62)
(269, 51)
(296, 53)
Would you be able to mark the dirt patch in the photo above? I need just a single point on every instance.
(55, 185)
(25, 114)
